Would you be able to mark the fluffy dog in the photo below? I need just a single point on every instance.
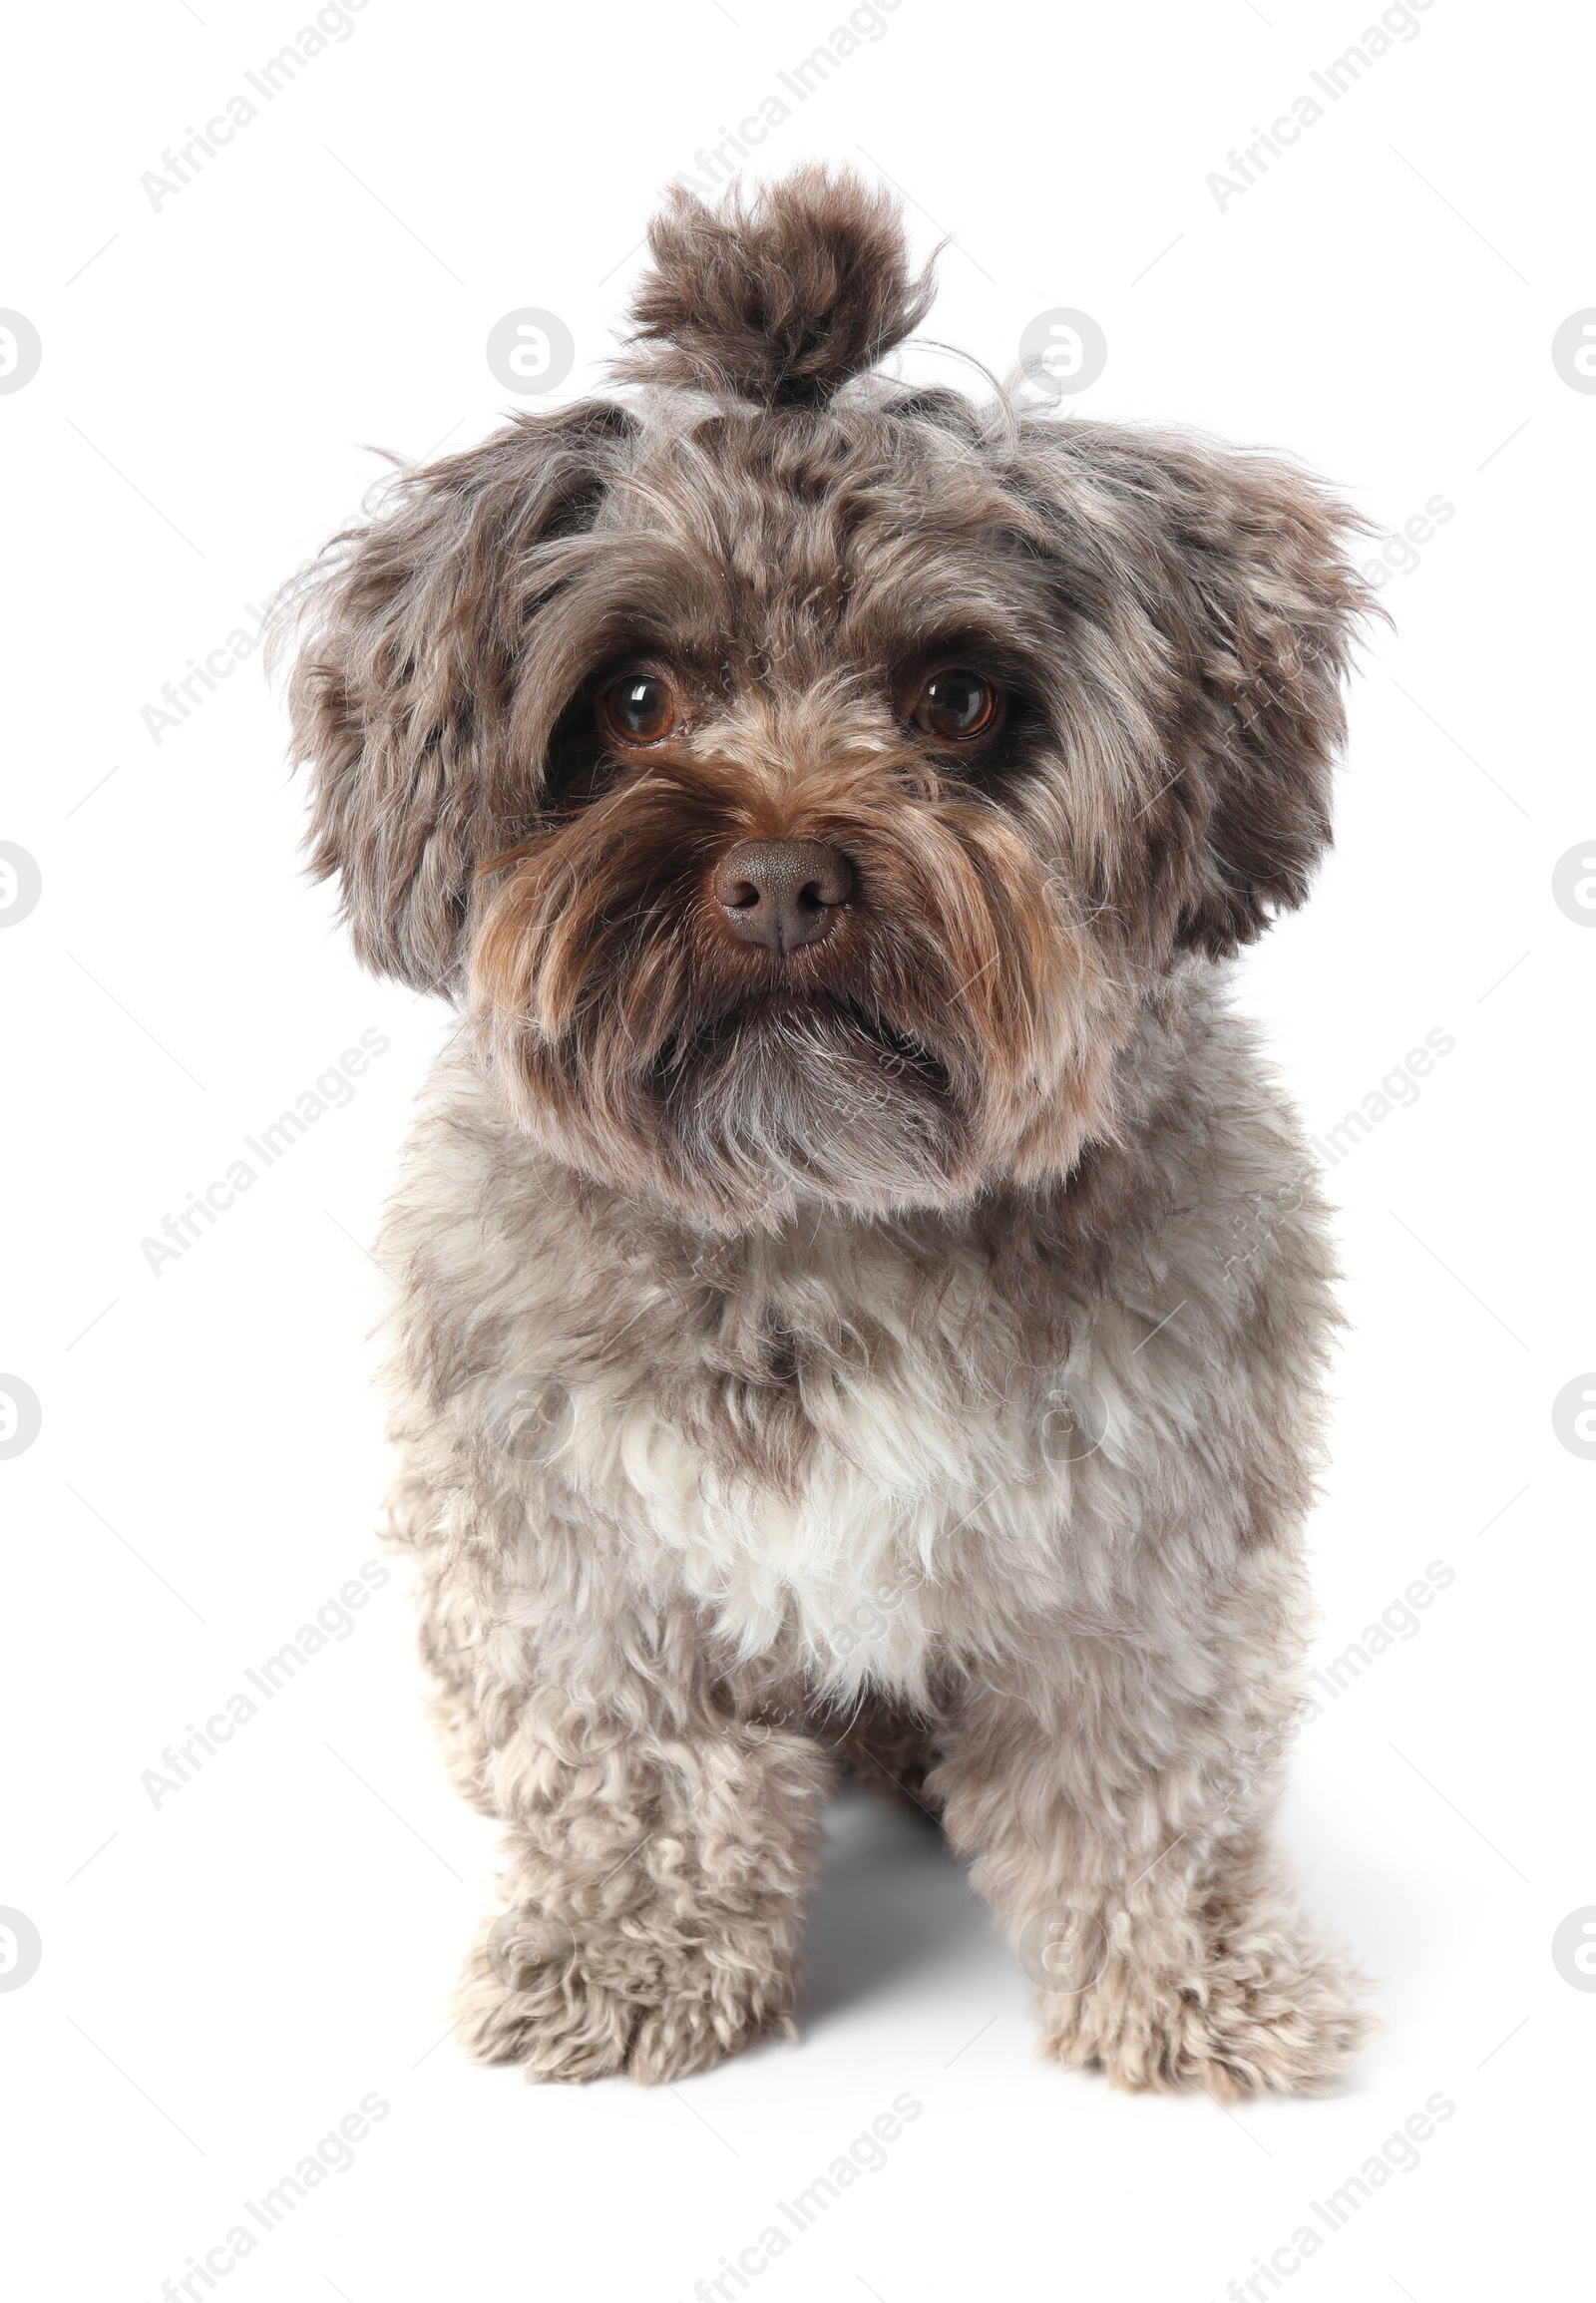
(862, 1298)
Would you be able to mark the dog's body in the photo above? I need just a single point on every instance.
(870, 1315)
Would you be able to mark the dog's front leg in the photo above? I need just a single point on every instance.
(654, 1875)
(1120, 1831)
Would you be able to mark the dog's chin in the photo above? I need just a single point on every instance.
(742, 1119)
(782, 1102)
(776, 1037)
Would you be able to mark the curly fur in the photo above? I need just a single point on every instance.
(780, 301)
(900, 1355)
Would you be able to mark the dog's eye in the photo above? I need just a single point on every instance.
(955, 705)
(637, 709)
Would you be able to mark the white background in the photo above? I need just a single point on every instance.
(225, 1976)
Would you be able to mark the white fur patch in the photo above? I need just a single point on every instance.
(860, 1563)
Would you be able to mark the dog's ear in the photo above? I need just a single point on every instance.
(411, 637)
(1223, 580)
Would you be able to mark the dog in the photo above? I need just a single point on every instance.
(862, 1298)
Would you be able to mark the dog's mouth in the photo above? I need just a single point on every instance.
(801, 1029)
(738, 1084)
(804, 1093)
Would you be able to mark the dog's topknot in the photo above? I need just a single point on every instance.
(779, 300)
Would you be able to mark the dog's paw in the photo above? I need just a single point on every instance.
(1265, 2013)
(522, 1998)
(531, 1994)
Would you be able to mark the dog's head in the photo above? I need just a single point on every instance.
(802, 778)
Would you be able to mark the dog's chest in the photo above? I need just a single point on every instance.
(842, 1494)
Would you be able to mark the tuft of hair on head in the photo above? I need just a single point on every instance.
(779, 299)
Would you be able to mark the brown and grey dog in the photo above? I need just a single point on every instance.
(862, 1298)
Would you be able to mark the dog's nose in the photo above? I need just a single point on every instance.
(782, 893)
